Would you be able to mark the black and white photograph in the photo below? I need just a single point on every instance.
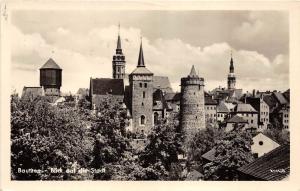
(159, 95)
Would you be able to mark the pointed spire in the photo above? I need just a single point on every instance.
(141, 62)
(231, 68)
(119, 39)
(193, 72)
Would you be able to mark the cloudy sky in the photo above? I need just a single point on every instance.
(83, 43)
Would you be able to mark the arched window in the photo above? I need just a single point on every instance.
(155, 118)
(143, 120)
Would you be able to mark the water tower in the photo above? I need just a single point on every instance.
(50, 78)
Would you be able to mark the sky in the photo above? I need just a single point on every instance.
(83, 42)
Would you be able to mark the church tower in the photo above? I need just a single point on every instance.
(141, 88)
(118, 63)
(231, 76)
(192, 115)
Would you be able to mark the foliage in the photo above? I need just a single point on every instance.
(231, 152)
(280, 136)
(45, 137)
(203, 141)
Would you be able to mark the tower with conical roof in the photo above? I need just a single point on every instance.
(118, 63)
(231, 76)
(50, 78)
(141, 88)
(192, 116)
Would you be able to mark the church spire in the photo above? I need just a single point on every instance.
(141, 62)
(231, 68)
(119, 38)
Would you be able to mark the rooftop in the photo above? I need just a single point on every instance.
(103, 86)
(50, 64)
(244, 107)
(272, 166)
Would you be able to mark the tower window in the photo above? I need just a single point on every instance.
(155, 118)
(141, 85)
(144, 94)
(143, 119)
(145, 85)
(142, 103)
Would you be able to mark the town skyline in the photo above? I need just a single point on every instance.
(263, 69)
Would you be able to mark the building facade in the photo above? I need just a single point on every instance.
(247, 112)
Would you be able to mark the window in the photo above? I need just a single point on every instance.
(260, 142)
(141, 85)
(144, 94)
(143, 120)
(145, 85)
(155, 118)
(142, 103)
(251, 120)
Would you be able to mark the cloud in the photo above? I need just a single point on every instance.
(89, 55)
(265, 31)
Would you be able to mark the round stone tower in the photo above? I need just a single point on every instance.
(192, 116)
(50, 78)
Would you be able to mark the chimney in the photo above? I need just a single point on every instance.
(253, 93)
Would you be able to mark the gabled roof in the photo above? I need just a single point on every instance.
(194, 175)
(244, 107)
(104, 86)
(172, 96)
(50, 64)
(236, 119)
(210, 155)
(272, 166)
(286, 94)
(209, 101)
(280, 98)
(222, 108)
(162, 82)
(31, 92)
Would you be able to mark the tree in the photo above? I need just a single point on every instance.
(280, 136)
(231, 152)
(165, 143)
(44, 137)
(203, 141)
(110, 140)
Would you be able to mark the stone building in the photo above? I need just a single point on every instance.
(192, 114)
(141, 96)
